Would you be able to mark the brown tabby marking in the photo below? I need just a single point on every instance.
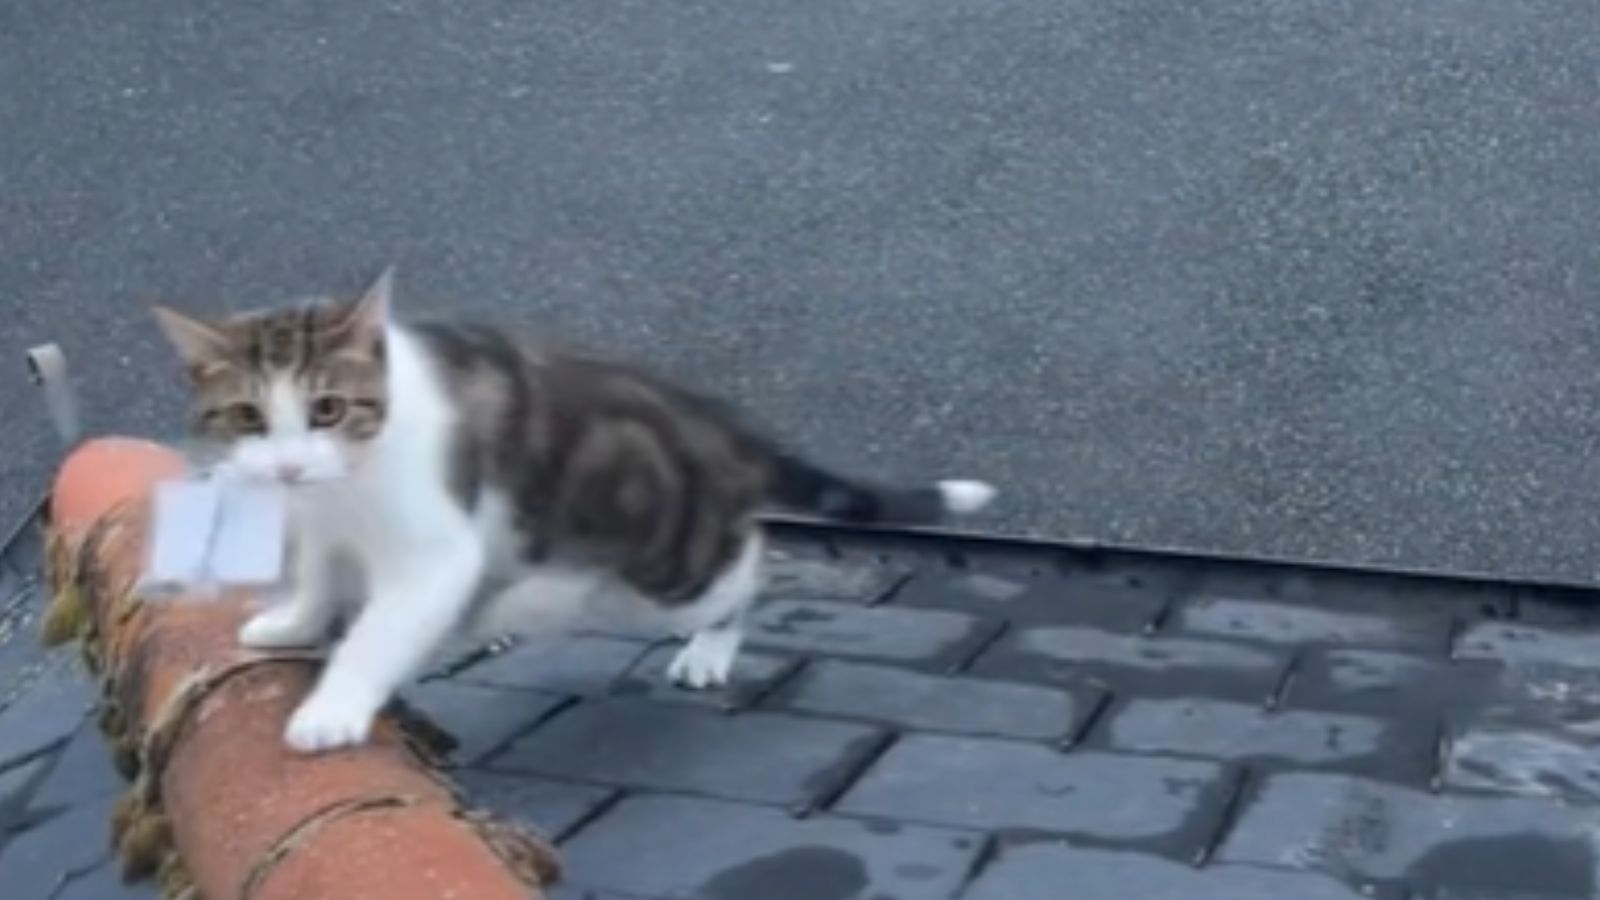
(329, 350)
(602, 463)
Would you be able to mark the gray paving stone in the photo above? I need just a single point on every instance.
(1003, 785)
(1467, 691)
(709, 850)
(36, 863)
(1487, 894)
(20, 651)
(585, 665)
(15, 588)
(82, 771)
(552, 808)
(1289, 623)
(755, 756)
(968, 588)
(1149, 665)
(1558, 607)
(15, 785)
(754, 672)
(957, 557)
(1348, 591)
(1112, 601)
(1513, 643)
(21, 568)
(796, 577)
(1518, 760)
(26, 549)
(640, 632)
(916, 701)
(482, 718)
(1160, 653)
(966, 591)
(1356, 680)
(105, 883)
(573, 892)
(1560, 696)
(1038, 872)
(46, 714)
(1244, 732)
(1357, 827)
(861, 632)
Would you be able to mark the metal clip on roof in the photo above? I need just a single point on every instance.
(48, 367)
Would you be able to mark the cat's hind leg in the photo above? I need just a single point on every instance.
(540, 600)
(706, 661)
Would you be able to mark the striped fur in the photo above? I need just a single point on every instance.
(333, 350)
(488, 484)
(602, 462)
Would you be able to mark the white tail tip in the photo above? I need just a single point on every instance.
(963, 497)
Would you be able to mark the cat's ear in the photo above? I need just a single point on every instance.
(371, 313)
(200, 343)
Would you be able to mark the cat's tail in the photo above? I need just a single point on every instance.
(805, 487)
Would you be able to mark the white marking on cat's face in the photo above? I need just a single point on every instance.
(291, 451)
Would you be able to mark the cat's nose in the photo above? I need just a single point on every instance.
(290, 472)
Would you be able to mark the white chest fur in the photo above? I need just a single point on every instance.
(397, 494)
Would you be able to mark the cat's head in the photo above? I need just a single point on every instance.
(295, 395)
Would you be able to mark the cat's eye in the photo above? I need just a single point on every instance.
(327, 411)
(245, 418)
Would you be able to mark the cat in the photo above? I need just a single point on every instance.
(490, 485)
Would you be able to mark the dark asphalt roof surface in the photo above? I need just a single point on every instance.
(932, 718)
(1267, 276)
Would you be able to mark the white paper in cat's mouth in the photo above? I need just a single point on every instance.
(207, 534)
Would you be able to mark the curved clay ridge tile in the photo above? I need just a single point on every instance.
(219, 806)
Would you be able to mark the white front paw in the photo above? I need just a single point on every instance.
(706, 661)
(280, 626)
(328, 720)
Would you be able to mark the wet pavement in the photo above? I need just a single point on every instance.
(933, 718)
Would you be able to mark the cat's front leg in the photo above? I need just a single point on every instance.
(418, 596)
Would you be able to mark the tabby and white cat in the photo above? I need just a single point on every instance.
(487, 486)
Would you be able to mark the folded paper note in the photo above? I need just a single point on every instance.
(209, 533)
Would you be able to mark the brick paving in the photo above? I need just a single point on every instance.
(935, 718)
